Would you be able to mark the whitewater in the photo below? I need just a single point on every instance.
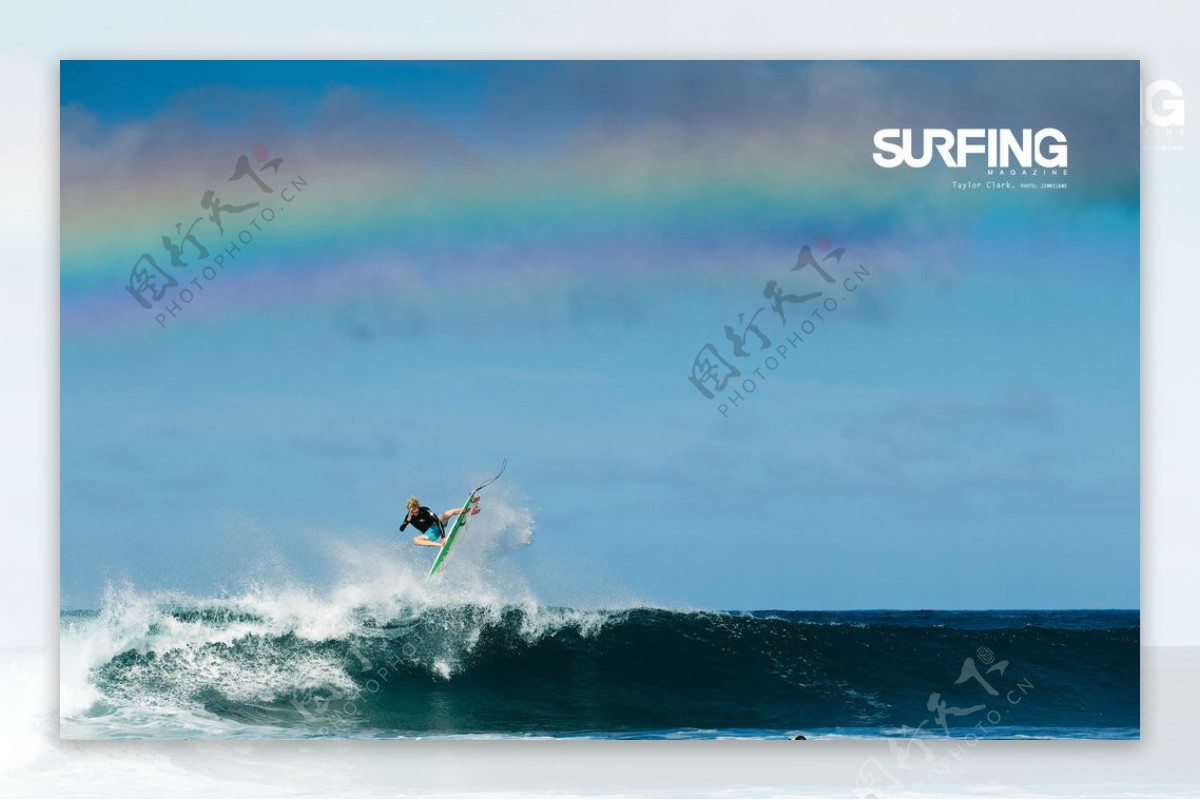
(383, 652)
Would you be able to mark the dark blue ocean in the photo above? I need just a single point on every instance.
(167, 669)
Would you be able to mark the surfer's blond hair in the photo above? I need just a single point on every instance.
(414, 502)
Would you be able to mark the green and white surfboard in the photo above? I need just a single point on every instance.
(460, 521)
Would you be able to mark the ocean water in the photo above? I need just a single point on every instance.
(400, 660)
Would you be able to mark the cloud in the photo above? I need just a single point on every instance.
(563, 171)
(933, 449)
(947, 427)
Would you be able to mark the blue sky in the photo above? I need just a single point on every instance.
(522, 260)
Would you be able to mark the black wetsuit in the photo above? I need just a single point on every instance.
(423, 520)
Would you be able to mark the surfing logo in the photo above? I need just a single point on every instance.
(1162, 116)
(1162, 104)
(1002, 147)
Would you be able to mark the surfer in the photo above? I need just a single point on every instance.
(432, 526)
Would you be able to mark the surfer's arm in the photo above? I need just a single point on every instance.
(404, 524)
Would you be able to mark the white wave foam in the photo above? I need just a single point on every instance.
(234, 644)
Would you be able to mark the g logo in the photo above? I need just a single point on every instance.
(1162, 103)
